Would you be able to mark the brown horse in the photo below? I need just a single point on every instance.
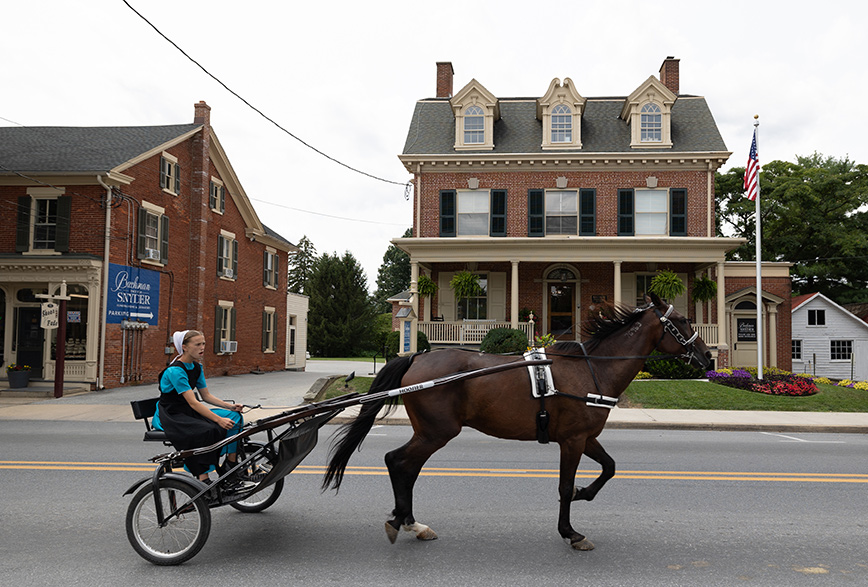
(501, 405)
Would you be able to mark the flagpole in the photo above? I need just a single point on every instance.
(759, 279)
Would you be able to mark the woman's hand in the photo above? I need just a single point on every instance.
(226, 423)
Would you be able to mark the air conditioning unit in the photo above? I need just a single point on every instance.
(228, 346)
(229, 273)
(152, 254)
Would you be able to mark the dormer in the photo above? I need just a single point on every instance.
(476, 110)
(560, 111)
(647, 110)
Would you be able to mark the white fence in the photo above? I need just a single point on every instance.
(468, 331)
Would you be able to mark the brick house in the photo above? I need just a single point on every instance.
(178, 246)
(563, 202)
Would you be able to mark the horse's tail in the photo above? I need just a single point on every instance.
(350, 436)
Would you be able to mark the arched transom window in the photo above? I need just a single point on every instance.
(651, 123)
(562, 124)
(474, 125)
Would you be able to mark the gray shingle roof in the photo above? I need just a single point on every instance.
(53, 149)
(432, 129)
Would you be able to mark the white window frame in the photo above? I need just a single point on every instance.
(465, 303)
(226, 325)
(227, 254)
(271, 259)
(169, 169)
(816, 313)
(472, 204)
(217, 196)
(38, 194)
(845, 347)
(651, 123)
(550, 212)
(152, 211)
(646, 216)
(562, 124)
(268, 327)
(474, 113)
(796, 350)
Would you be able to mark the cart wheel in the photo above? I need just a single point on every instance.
(257, 470)
(181, 538)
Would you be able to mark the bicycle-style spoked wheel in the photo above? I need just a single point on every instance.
(181, 537)
(255, 471)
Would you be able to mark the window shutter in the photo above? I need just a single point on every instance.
(275, 265)
(22, 234)
(678, 212)
(177, 178)
(234, 260)
(265, 280)
(218, 328)
(274, 329)
(625, 213)
(447, 212)
(164, 238)
(264, 331)
(222, 199)
(535, 213)
(220, 247)
(498, 213)
(64, 212)
(232, 323)
(587, 212)
(164, 178)
(143, 227)
(213, 194)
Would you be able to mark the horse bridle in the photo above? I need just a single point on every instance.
(668, 327)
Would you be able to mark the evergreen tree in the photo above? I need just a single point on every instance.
(393, 276)
(341, 318)
(300, 266)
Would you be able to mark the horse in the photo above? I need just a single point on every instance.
(595, 372)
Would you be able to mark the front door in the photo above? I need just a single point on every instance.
(562, 310)
(744, 328)
(31, 340)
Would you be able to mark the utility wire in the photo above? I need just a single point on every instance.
(262, 114)
(328, 215)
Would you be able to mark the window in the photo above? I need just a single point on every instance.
(475, 308)
(841, 350)
(76, 324)
(562, 124)
(474, 126)
(270, 275)
(643, 212)
(153, 241)
(293, 320)
(476, 213)
(651, 129)
(170, 174)
(227, 256)
(816, 317)
(218, 196)
(797, 350)
(562, 212)
(268, 330)
(224, 327)
(643, 286)
(651, 208)
(43, 222)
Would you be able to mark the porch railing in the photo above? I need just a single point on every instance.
(468, 331)
(708, 333)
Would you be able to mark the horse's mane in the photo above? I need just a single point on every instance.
(601, 324)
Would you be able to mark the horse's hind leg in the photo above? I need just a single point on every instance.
(595, 451)
(570, 455)
(404, 465)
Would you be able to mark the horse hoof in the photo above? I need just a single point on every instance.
(583, 544)
(391, 532)
(421, 531)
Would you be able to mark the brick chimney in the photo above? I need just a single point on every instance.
(202, 113)
(444, 79)
(669, 74)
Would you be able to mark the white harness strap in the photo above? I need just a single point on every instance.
(540, 373)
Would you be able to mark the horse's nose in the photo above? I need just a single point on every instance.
(708, 355)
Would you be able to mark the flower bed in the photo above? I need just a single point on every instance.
(774, 382)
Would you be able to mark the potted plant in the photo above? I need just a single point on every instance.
(704, 290)
(426, 286)
(667, 285)
(19, 375)
(465, 285)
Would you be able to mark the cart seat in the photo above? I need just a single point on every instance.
(144, 409)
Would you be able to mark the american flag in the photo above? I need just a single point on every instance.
(751, 173)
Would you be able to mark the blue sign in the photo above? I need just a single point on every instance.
(133, 294)
(407, 331)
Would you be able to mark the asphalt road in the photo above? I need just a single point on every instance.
(686, 508)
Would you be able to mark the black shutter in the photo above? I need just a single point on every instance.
(220, 246)
(587, 212)
(177, 178)
(232, 321)
(498, 213)
(64, 219)
(164, 238)
(678, 212)
(22, 234)
(213, 194)
(218, 328)
(536, 213)
(265, 281)
(222, 199)
(447, 213)
(234, 260)
(274, 266)
(164, 178)
(274, 329)
(625, 213)
(143, 227)
(264, 331)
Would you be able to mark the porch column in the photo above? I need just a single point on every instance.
(721, 306)
(513, 298)
(697, 307)
(617, 297)
(773, 335)
(414, 302)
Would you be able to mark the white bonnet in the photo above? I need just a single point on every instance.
(178, 339)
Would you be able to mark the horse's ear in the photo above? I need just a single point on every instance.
(655, 299)
(647, 299)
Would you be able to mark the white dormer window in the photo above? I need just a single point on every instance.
(562, 124)
(560, 111)
(474, 126)
(651, 122)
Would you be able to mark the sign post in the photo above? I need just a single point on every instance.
(54, 316)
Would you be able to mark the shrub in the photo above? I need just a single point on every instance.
(394, 339)
(671, 368)
(643, 375)
(503, 341)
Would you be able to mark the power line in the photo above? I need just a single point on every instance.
(262, 114)
(328, 215)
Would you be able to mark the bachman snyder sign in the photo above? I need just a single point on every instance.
(134, 294)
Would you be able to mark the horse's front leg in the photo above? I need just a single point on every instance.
(595, 451)
(570, 455)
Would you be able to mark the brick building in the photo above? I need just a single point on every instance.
(563, 202)
(179, 246)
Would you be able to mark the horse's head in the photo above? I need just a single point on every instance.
(678, 337)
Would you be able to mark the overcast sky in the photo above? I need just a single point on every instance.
(344, 76)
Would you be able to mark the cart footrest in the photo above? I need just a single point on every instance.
(155, 436)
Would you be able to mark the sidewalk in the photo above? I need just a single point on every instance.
(282, 390)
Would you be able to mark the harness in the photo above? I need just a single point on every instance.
(542, 383)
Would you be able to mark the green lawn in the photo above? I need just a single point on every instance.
(700, 395)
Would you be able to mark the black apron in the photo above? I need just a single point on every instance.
(185, 427)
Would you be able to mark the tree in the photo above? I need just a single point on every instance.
(393, 276)
(300, 266)
(813, 214)
(341, 318)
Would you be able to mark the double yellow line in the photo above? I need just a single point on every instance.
(486, 472)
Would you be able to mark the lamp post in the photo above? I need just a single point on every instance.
(49, 322)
